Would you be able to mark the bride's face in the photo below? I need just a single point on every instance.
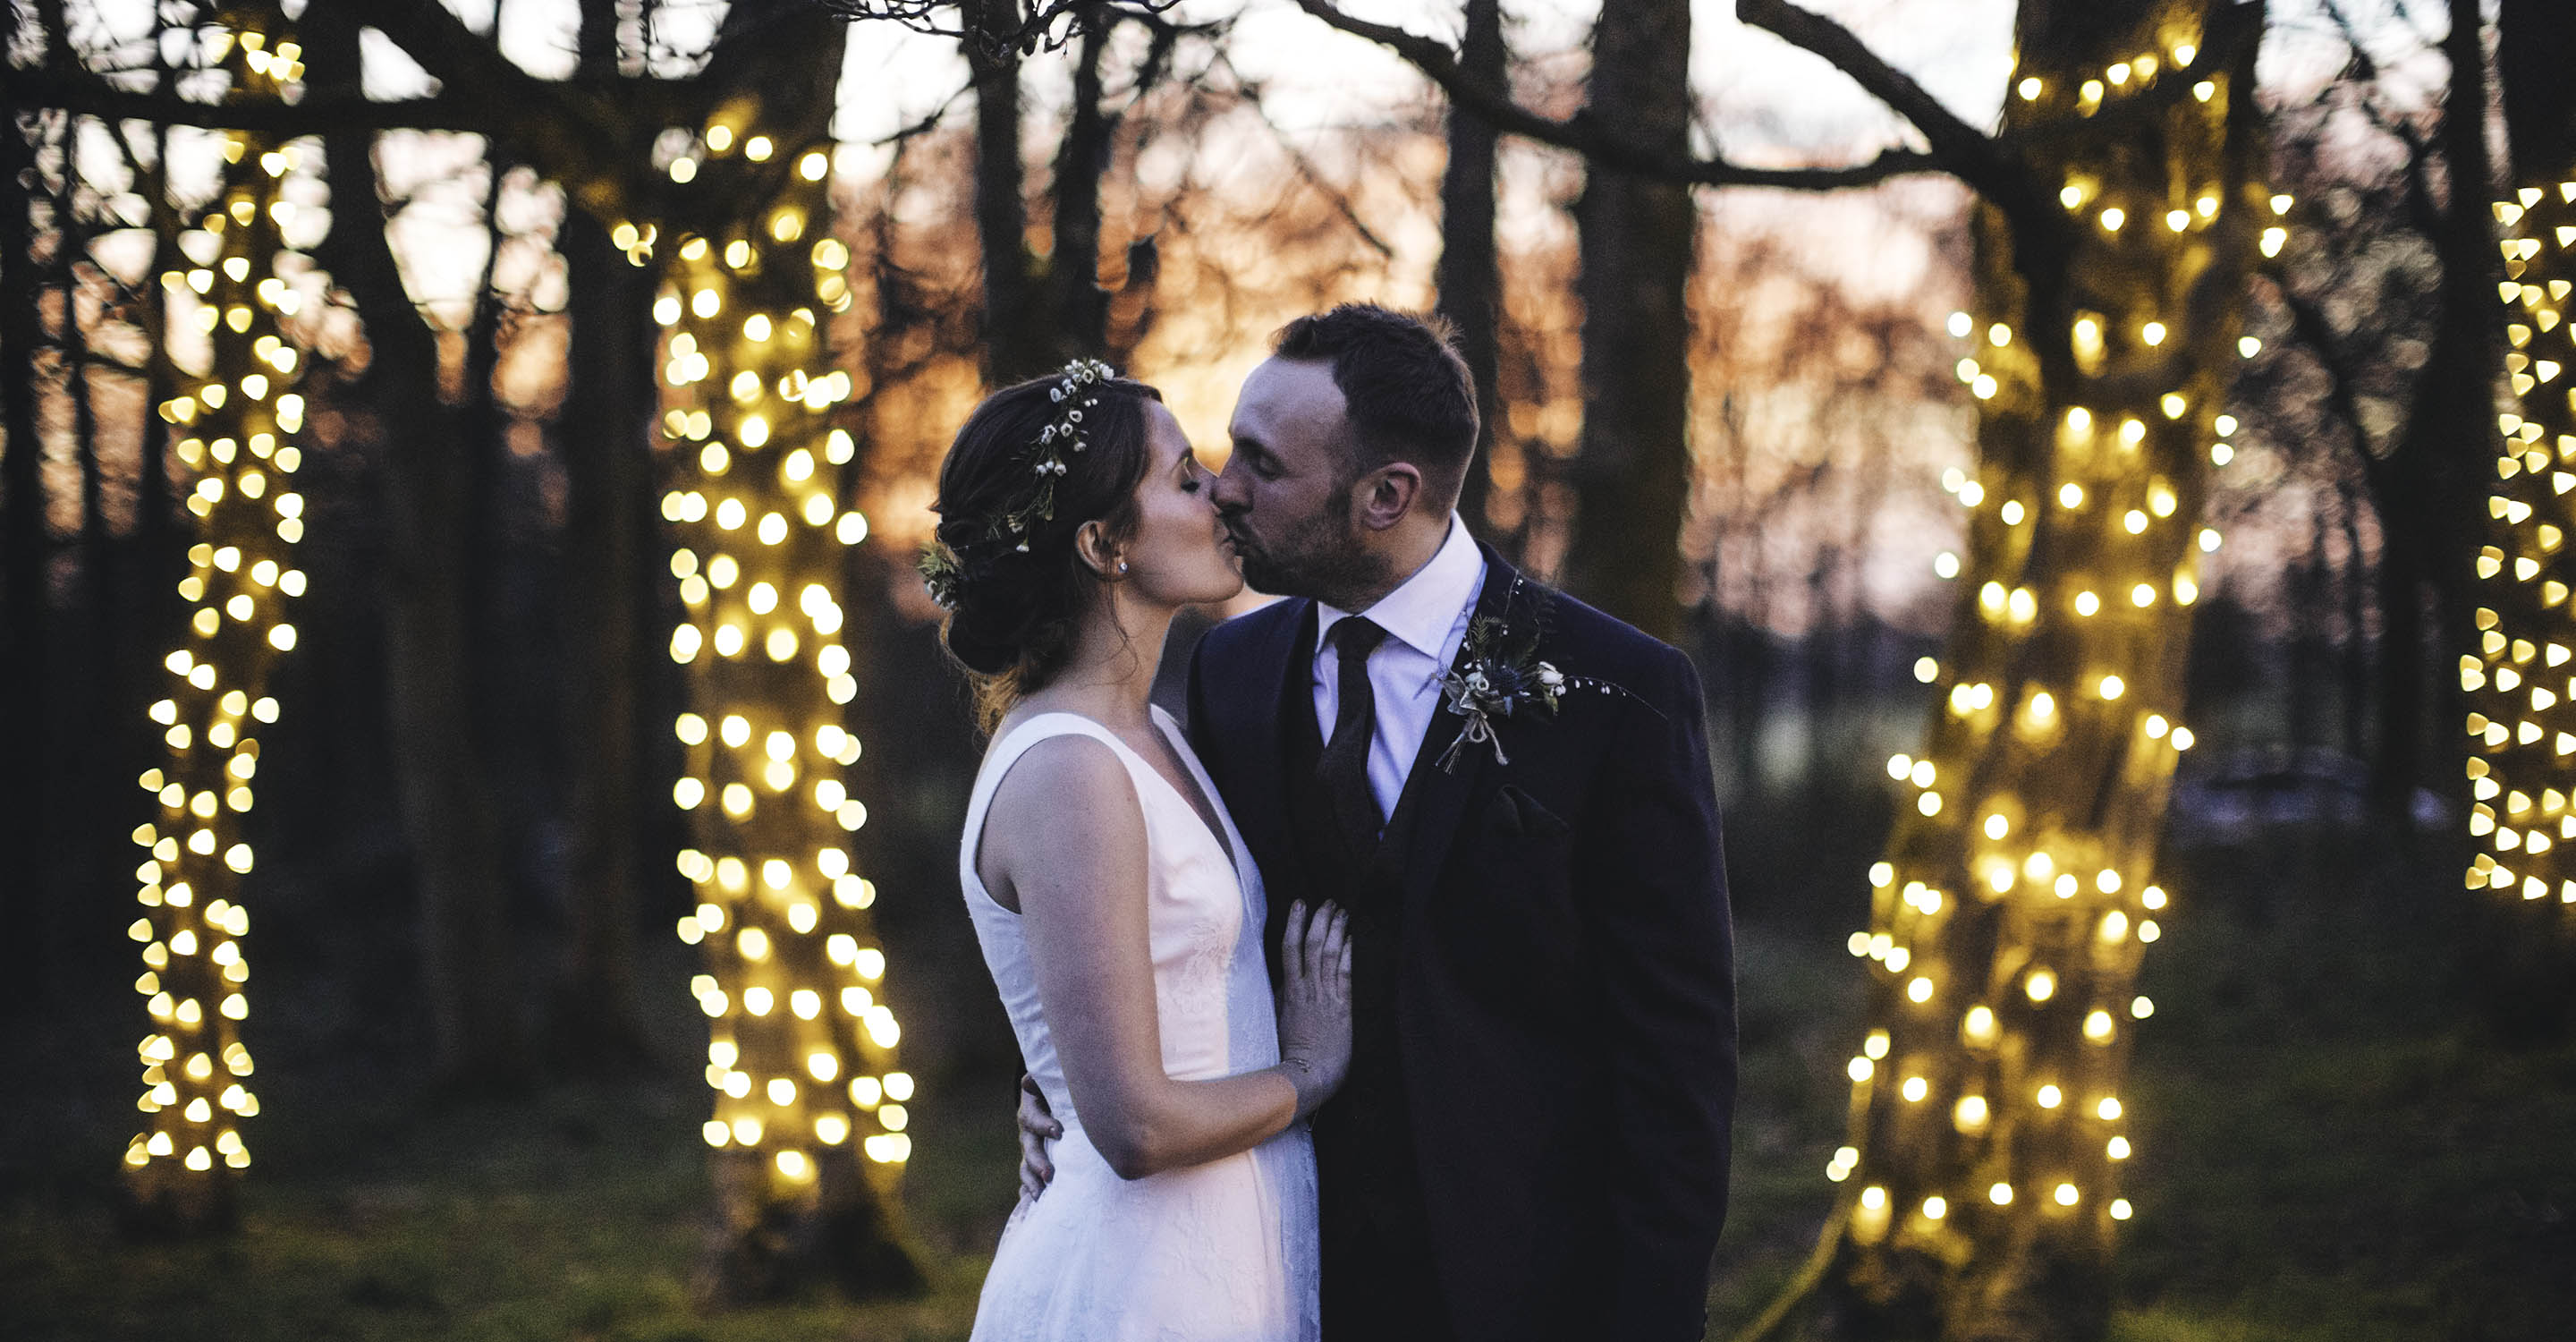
(1177, 554)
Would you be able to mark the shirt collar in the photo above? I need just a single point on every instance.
(1425, 608)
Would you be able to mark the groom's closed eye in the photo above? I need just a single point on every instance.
(1255, 456)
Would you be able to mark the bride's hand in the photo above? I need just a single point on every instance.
(1315, 1002)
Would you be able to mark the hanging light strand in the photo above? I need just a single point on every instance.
(2522, 737)
(2009, 918)
(801, 1051)
(236, 431)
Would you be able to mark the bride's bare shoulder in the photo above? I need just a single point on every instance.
(1065, 785)
(1065, 815)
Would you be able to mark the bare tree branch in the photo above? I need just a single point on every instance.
(1959, 147)
(1585, 136)
(90, 95)
(587, 138)
(1036, 30)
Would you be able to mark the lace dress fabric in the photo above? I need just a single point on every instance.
(1220, 1252)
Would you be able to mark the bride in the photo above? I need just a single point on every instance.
(1117, 907)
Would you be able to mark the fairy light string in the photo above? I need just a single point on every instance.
(236, 431)
(2519, 683)
(1988, 1112)
(801, 1043)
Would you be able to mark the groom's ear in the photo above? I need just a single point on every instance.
(1387, 494)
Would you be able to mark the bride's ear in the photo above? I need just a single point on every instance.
(1091, 546)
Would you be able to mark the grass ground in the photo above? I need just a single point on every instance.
(2329, 1151)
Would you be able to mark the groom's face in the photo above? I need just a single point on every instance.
(1285, 494)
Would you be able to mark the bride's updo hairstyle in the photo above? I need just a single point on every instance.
(1034, 463)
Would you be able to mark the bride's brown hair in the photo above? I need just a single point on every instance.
(1014, 596)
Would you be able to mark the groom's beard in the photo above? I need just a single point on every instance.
(1319, 558)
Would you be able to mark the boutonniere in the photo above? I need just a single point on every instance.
(1499, 676)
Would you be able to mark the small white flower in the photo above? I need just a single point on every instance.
(1550, 677)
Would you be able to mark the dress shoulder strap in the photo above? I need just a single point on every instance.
(1006, 752)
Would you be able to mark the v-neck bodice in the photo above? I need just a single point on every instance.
(1225, 1249)
(1204, 916)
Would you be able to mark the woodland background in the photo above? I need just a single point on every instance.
(2347, 1131)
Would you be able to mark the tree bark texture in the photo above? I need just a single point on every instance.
(1470, 278)
(1989, 1128)
(809, 1127)
(2519, 678)
(1632, 478)
(424, 470)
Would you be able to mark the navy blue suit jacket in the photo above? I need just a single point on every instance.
(1565, 984)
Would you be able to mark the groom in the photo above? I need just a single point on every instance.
(1533, 1139)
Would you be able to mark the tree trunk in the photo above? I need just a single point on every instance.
(606, 433)
(2397, 767)
(1077, 308)
(1633, 475)
(242, 423)
(23, 550)
(1470, 276)
(2309, 583)
(1983, 1175)
(153, 504)
(441, 786)
(2537, 40)
(2522, 734)
(809, 1125)
(2352, 584)
(1015, 345)
(72, 251)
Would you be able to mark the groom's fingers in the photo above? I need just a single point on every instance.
(1036, 1171)
(1034, 1118)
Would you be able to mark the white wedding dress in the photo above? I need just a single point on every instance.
(1221, 1251)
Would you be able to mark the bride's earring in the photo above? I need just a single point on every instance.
(1122, 566)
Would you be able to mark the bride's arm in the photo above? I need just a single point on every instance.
(1067, 841)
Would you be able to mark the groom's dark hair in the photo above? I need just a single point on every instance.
(1409, 394)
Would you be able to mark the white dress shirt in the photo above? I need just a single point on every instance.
(1425, 620)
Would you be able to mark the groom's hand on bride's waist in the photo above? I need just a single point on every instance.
(1037, 1127)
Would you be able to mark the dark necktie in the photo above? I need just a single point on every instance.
(1343, 767)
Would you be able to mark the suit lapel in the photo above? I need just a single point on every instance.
(1435, 798)
(1250, 718)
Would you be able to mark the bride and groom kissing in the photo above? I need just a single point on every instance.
(1394, 997)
